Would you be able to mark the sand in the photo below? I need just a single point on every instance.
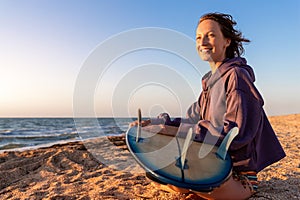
(107, 171)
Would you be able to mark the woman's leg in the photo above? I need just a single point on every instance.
(231, 189)
(235, 188)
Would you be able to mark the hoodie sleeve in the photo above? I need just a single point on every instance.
(192, 114)
(244, 108)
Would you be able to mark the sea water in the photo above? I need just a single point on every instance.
(16, 133)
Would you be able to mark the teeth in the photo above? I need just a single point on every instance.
(205, 50)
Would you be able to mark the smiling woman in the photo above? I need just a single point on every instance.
(229, 100)
(211, 43)
(215, 41)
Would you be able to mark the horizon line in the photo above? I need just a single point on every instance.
(52, 116)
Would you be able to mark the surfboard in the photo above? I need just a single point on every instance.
(180, 161)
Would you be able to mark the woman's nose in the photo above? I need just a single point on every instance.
(203, 41)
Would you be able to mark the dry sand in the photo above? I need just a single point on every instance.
(69, 171)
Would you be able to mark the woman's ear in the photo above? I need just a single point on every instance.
(228, 41)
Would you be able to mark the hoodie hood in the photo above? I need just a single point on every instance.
(210, 79)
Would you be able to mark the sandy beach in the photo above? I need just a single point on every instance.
(75, 171)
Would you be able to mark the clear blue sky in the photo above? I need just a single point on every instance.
(43, 45)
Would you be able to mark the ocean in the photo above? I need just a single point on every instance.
(24, 133)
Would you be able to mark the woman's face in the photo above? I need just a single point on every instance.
(210, 42)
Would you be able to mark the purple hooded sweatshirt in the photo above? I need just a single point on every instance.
(230, 99)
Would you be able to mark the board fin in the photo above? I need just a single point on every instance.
(138, 132)
(181, 161)
(223, 148)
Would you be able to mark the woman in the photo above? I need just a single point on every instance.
(230, 99)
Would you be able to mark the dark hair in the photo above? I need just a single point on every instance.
(226, 22)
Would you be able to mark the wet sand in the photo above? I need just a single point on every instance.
(104, 169)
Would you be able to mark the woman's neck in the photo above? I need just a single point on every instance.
(214, 66)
